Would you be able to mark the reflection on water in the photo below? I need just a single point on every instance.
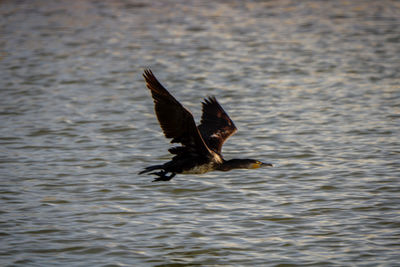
(312, 86)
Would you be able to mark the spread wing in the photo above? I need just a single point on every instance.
(215, 126)
(175, 120)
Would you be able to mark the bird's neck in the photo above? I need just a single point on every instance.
(231, 164)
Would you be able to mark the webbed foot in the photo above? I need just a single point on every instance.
(162, 176)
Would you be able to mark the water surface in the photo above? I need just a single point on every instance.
(313, 87)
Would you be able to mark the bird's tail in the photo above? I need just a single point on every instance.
(152, 168)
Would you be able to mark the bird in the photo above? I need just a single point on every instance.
(200, 146)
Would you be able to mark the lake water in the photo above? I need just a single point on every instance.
(313, 87)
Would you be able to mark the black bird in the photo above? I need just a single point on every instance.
(201, 145)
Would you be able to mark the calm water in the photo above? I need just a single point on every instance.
(313, 87)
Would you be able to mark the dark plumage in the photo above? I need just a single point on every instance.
(200, 149)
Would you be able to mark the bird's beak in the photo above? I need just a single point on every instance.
(263, 164)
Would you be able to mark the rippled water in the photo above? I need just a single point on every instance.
(313, 87)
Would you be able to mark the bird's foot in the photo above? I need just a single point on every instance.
(162, 176)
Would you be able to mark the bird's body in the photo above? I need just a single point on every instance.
(200, 169)
(201, 145)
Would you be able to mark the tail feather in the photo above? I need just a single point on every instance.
(152, 168)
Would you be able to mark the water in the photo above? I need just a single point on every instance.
(313, 87)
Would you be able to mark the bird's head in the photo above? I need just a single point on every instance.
(255, 164)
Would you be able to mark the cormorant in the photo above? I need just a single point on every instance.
(200, 149)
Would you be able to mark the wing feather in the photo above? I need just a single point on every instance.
(215, 125)
(175, 120)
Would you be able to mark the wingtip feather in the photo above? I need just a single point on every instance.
(147, 74)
